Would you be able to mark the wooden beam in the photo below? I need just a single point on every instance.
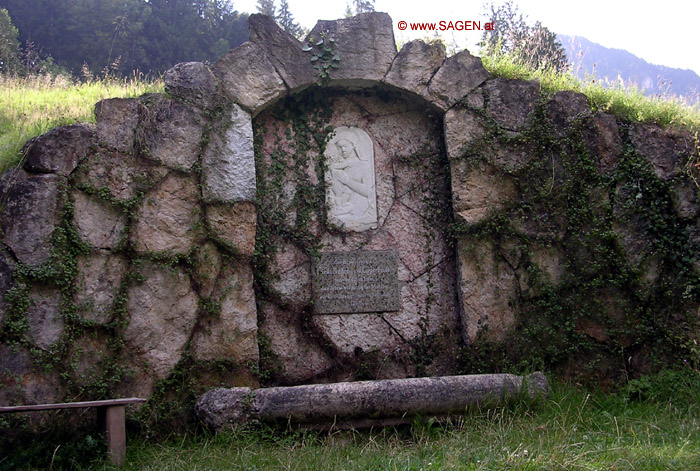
(72, 405)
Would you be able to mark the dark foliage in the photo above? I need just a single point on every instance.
(534, 46)
(125, 35)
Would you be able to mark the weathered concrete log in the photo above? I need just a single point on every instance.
(363, 402)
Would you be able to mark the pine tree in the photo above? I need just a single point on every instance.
(286, 20)
(363, 6)
(9, 45)
(267, 7)
(348, 11)
(534, 46)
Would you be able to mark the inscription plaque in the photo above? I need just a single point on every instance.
(354, 282)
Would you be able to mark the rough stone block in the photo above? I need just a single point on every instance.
(44, 317)
(511, 102)
(7, 266)
(234, 225)
(479, 189)
(284, 51)
(686, 198)
(91, 355)
(301, 359)
(169, 218)
(192, 82)
(487, 285)
(666, 149)
(415, 65)
(207, 267)
(59, 150)
(122, 174)
(162, 312)
(98, 223)
(365, 44)
(117, 120)
(366, 332)
(32, 211)
(606, 144)
(458, 75)
(564, 107)
(97, 285)
(291, 277)
(462, 129)
(232, 333)
(229, 162)
(249, 78)
(170, 133)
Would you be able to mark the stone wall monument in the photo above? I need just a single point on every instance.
(184, 232)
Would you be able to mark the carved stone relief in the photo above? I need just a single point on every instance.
(351, 198)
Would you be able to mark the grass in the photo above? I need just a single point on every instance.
(627, 103)
(571, 430)
(33, 105)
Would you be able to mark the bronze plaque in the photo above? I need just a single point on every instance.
(354, 282)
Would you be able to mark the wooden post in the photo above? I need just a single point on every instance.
(112, 418)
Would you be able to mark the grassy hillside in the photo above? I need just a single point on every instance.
(628, 104)
(33, 105)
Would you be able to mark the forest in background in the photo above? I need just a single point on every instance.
(118, 36)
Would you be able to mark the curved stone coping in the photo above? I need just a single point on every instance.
(363, 401)
(273, 64)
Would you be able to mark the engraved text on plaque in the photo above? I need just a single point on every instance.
(361, 281)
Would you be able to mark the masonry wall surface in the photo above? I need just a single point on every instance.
(161, 244)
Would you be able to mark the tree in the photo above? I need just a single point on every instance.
(363, 6)
(358, 6)
(125, 35)
(286, 20)
(267, 7)
(9, 45)
(348, 11)
(542, 50)
(534, 46)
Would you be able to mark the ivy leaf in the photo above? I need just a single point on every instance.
(306, 48)
(314, 58)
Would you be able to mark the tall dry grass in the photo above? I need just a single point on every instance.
(30, 106)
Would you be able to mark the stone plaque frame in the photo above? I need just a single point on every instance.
(356, 282)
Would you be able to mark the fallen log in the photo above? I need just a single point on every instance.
(364, 403)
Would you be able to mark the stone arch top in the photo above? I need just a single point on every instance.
(273, 64)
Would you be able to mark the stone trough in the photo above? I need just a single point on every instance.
(364, 403)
